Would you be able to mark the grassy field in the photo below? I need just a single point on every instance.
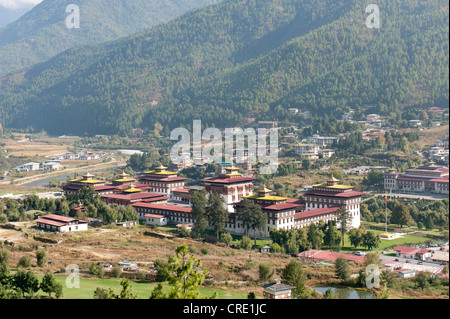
(385, 243)
(142, 290)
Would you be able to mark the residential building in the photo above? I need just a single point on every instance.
(27, 167)
(277, 290)
(61, 224)
(51, 166)
(307, 148)
(412, 252)
(322, 140)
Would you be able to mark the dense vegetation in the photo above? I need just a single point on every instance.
(239, 59)
(42, 33)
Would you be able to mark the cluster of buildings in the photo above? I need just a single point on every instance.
(429, 178)
(439, 152)
(314, 146)
(160, 197)
(52, 165)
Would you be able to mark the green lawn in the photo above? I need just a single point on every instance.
(141, 289)
(384, 243)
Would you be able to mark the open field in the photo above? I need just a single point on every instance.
(22, 146)
(232, 270)
(141, 289)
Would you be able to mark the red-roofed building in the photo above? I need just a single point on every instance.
(232, 186)
(329, 256)
(303, 219)
(333, 195)
(427, 178)
(162, 181)
(412, 252)
(61, 224)
(174, 213)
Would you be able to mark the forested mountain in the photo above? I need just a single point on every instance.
(42, 32)
(237, 59)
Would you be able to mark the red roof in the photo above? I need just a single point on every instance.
(329, 255)
(295, 201)
(133, 196)
(410, 250)
(174, 208)
(315, 212)
(228, 180)
(181, 190)
(58, 218)
(50, 222)
(282, 206)
(154, 216)
(418, 178)
(335, 194)
(166, 179)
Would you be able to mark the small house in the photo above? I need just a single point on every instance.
(277, 290)
(407, 274)
(265, 249)
(154, 219)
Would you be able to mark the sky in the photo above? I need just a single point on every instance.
(11, 10)
(19, 4)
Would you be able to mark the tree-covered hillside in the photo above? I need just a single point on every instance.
(42, 32)
(238, 59)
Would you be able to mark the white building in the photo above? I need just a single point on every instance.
(61, 224)
(27, 167)
(154, 219)
(322, 140)
(51, 166)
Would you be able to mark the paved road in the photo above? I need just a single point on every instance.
(414, 196)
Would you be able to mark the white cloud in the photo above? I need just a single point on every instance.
(18, 4)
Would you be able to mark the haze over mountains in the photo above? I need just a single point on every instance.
(240, 59)
(42, 32)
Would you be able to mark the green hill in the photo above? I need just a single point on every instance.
(42, 32)
(239, 59)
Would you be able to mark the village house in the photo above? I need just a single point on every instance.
(61, 224)
(412, 252)
(277, 290)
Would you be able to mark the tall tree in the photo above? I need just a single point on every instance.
(184, 276)
(217, 214)
(342, 269)
(355, 236)
(400, 215)
(294, 275)
(199, 201)
(332, 237)
(251, 216)
(315, 236)
(344, 221)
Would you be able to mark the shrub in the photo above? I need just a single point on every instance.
(265, 271)
(205, 251)
(226, 238)
(41, 257)
(24, 261)
(246, 243)
(116, 271)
